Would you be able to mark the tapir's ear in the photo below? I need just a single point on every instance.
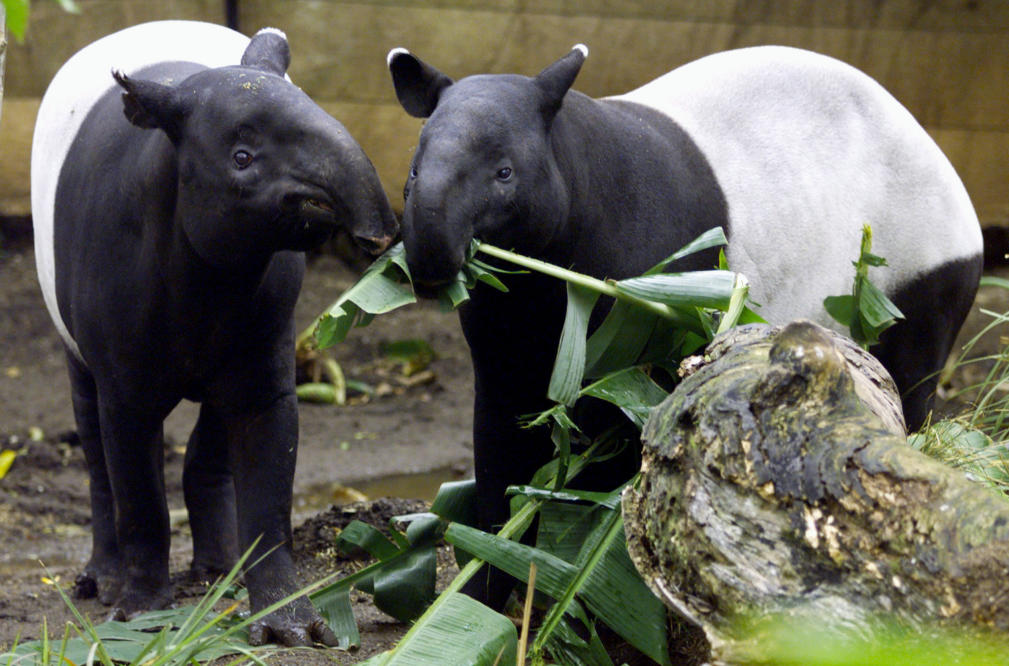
(268, 51)
(556, 79)
(151, 105)
(418, 84)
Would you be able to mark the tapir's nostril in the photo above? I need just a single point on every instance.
(374, 245)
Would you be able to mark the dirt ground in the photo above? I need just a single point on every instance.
(401, 444)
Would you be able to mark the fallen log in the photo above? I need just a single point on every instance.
(769, 486)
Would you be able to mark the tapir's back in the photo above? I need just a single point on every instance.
(807, 147)
(78, 86)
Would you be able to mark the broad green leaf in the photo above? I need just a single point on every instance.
(561, 497)
(841, 308)
(456, 501)
(569, 365)
(452, 296)
(631, 390)
(737, 304)
(619, 340)
(567, 647)
(709, 289)
(710, 238)
(619, 598)
(404, 588)
(335, 606)
(876, 309)
(368, 538)
(461, 631)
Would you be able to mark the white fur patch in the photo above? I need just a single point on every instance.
(75, 89)
(273, 31)
(808, 149)
(393, 53)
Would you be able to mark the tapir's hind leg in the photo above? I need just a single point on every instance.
(102, 574)
(210, 497)
(915, 350)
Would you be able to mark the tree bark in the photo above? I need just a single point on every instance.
(770, 486)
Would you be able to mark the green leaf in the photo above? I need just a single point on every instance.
(461, 631)
(569, 365)
(368, 538)
(992, 281)
(710, 238)
(619, 340)
(335, 606)
(709, 289)
(404, 588)
(840, 308)
(631, 390)
(17, 17)
(456, 502)
(613, 591)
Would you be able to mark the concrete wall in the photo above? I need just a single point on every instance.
(946, 60)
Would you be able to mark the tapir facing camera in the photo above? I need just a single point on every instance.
(789, 151)
(172, 200)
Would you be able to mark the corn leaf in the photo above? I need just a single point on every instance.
(613, 591)
(619, 340)
(569, 364)
(708, 289)
(461, 631)
(710, 238)
(631, 390)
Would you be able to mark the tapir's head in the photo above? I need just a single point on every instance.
(261, 167)
(484, 167)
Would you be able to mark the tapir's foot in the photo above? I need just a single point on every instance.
(208, 572)
(296, 624)
(134, 602)
(96, 582)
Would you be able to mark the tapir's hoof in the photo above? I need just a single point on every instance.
(85, 586)
(291, 632)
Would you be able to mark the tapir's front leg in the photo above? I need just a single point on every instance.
(134, 456)
(210, 497)
(264, 448)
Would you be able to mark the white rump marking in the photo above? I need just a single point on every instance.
(806, 150)
(75, 89)
(393, 53)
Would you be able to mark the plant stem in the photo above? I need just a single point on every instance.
(605, 287)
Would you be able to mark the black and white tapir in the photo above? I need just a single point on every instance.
(790, 151)
(172, 201)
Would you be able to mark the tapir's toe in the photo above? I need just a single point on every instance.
(291, 631)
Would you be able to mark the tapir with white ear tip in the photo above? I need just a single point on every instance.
(789, 151)
(172, 201)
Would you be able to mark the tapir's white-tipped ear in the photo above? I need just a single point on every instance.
(418, 84)
(556, 79)
(269, 51)
(399, 50)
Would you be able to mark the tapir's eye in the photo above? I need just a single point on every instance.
(504, 173)
(413, 172)
(243, 158)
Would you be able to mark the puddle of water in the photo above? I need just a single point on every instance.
(423, 485)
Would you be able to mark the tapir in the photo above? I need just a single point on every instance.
(177, 178)
(789, 151)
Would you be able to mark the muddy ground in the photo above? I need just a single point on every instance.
(401, 443)
(404, 442)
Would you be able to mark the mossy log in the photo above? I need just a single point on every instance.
(769, 487)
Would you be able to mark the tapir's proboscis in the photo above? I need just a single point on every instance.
(172, 200)
(789, 151)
